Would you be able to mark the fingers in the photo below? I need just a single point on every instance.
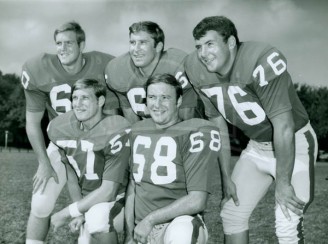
(284, 210)
(294, 206)
(235, 199)
(39, 184)
(74, 227)
(56, 178)
(140, 239)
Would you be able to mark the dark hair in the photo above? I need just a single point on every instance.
(72, 26)
(222, 25)
(151, 28)
(98, 88)
(167, 79)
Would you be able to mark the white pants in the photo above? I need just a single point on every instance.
(182, 230)
(253, 174)
(43, 204)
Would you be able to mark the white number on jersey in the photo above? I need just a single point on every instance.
(62, 103)
(241, 108)
(164, 154)
(160, 160)
(182, 79)
(90, 157)
(278, 67)
(137, 107)
(197, 144)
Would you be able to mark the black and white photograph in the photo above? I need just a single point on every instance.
(163, 121)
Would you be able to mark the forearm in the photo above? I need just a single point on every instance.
(284, 147)
(35, 135)
(193, 203)
(73, 186)
(107, 192)
(129, 209)
(36, 139)
(284, 144)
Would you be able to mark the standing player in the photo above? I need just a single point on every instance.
(47, 80)
(95, 152)
(248, 84)
(171, 169)
(127, 74)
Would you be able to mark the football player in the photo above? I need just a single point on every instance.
(171, 166)
(247, 84)
(127, 74)
(47, 81)
(96, 154)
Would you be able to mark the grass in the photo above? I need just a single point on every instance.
(18, 168)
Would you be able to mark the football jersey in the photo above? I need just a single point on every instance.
(257, 88)
(127, 81)
(168, 163)
(48, 86)
(99, 154)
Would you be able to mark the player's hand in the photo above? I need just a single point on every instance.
(229, 191)
(42, 176)
(287, 200)
(76, 224)
(142, 230)
(60, 218)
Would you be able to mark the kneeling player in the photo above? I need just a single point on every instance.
(171, 166)
(97, 159)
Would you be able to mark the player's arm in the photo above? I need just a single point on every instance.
(107, 192)
(129, 212)
(284, 145)
(193, 203)
(74, 190)
(36, 138)
(229, 188)
(73, 186)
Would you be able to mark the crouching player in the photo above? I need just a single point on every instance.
(172, 162)
(96, 156)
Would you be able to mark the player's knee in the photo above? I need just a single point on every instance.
(234, 218)
(289, 231)
(41, 205)
(186, 229)
(105, 217)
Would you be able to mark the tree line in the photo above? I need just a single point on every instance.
(12, 112)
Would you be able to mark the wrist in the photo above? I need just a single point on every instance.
(74, 210)
(150, 220)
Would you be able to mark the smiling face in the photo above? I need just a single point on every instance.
(214, 53)
(163, 104)
(69, 51)
(142, 49)
(87, 107)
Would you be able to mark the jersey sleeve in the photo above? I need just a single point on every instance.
(272, 83)
(200, 158)
(117, 156)
(35, 98)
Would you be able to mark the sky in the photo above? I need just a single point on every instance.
(296, 27)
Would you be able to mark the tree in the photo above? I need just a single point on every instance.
(12, 110)
(315, 101)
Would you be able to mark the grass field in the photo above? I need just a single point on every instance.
(17, 169)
